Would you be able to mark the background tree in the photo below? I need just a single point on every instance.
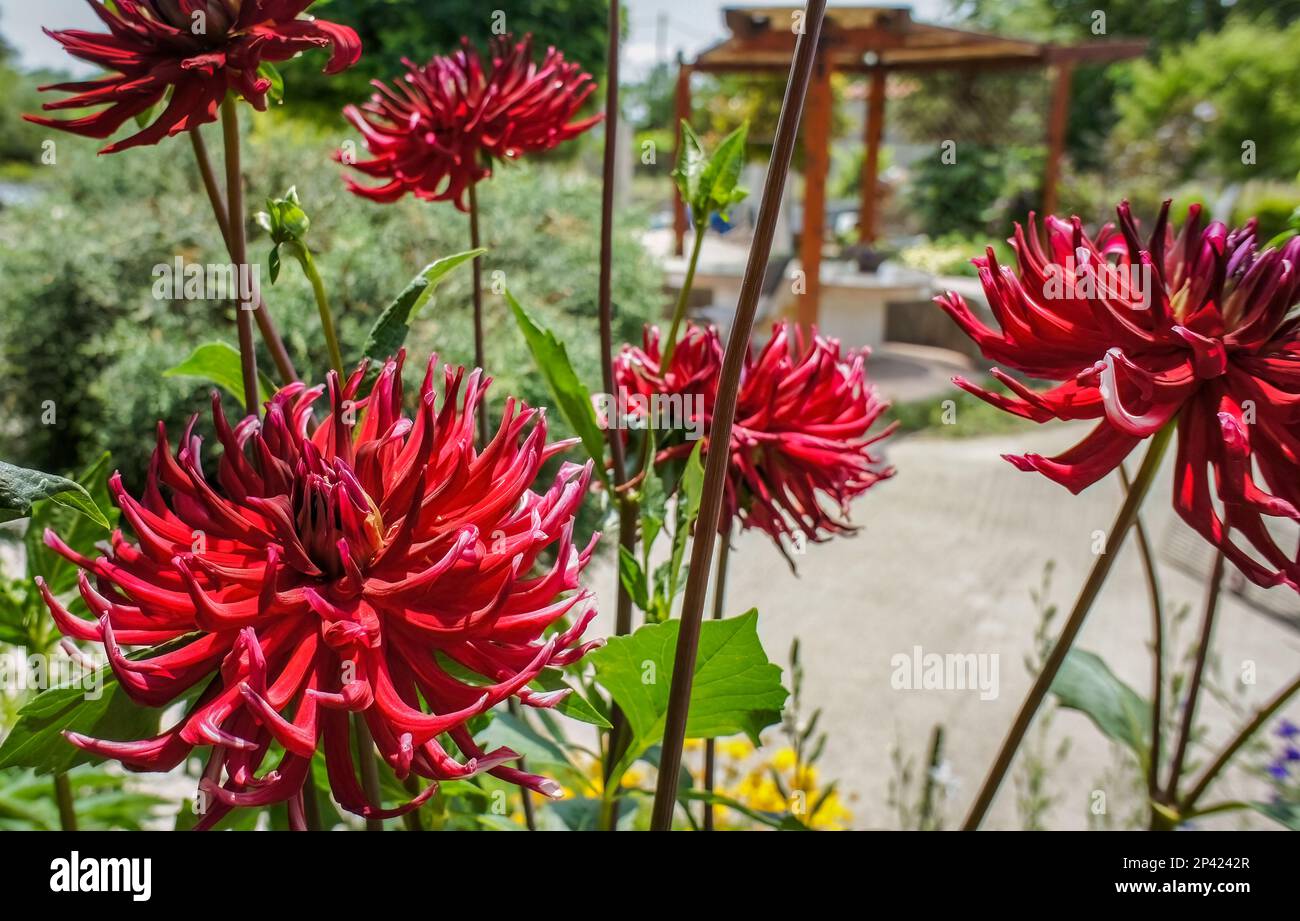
(418, 29)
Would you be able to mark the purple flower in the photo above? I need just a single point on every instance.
(1287, 729)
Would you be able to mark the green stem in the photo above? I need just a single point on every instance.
(63, 796)
(311, 803)
(239, 248)
(679, 312)
(369, 768)
(1262, 717)
(323, 306)
(1100, 570)
(1157, 643)
(412, 819)
(270, 335)
(475, 242)
(1198, 671)
(719, 604)
(530, 820)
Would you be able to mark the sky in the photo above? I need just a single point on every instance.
(689, 26)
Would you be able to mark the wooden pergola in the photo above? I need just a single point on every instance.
(874, 41)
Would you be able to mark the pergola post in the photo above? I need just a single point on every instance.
(1058, 119)
(682, 104)
(868, 212)
(816, 156)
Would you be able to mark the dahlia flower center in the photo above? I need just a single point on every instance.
(211, 19)
(338, 523)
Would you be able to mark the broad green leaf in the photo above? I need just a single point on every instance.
(718, 190)
(389, 333)
(20, 487)
(736, 689)
(571, 397)
(1086, 684)
(218, 363)
(77, 531)
(95, 706)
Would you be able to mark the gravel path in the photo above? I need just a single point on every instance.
(946, 560)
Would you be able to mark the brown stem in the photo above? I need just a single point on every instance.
(1157, 642)
(63, 796)
(479, 360)
(1212, 592)
(239, 249)
(627, 508)
(715, 474)
(719, 603)
(1262, 717)
(270, 335)
(1119, 530)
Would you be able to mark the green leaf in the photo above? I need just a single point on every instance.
(542, 755)
(736, 689)
(77, 531)
(572, 398)
(389, 332)
(633, 578)
(575, 706)
(273, 263)
(1086, 684)
(218, 363)
(1285, 814)
(20, 487)
(689, 496)
(690, 164)
(717, 190)
(707, 182)
(94, 706)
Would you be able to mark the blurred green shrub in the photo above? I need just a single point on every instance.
(79, 325)
(1195, 109)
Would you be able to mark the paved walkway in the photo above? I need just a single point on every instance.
(949, 553)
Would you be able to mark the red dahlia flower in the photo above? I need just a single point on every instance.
(197, 49)
(1193, 331)
(435, 132)
(801, 436)
(358, 569)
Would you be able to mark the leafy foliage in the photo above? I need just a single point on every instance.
(1193, 109)
(393, 29)
(735, 689)
(79, 326)
(707, 181)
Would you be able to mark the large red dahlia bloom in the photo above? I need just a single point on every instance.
(1193, 330)
(197, 49)
(801, 440)
(361, 568)
(435, 132)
